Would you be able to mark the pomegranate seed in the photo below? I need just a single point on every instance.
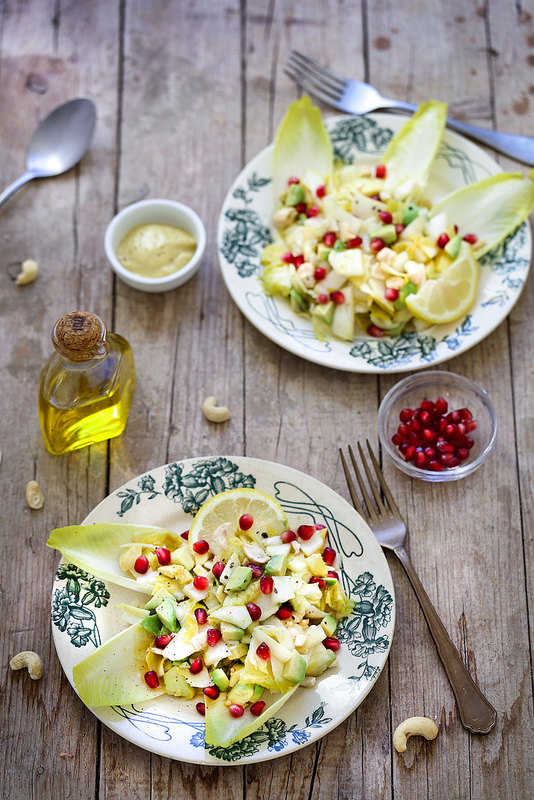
(263, 651)
(435, 466)
(429, 435)
(415, 426)
(406, 415)
(420, 459)
(266, 584)
(443, 239)
(329, 239)
(151, 679)
(441, 406)
(185, 535)
(430, 453)
(386, 217)
(288, 536)
(454, 417)
(287, 258)
(162, 641)
(391, 295)
(236, 710)
(414, 439)
(306, 532)
(201, 547)
(196, 666)
(323, 299)
(201, 583)
(298, 261)
(300, 208)
(445, 447)
(375, 331)
(256, 709)
(284, 612)
(319, 273)
(201, 708)
(332, 574)
(213, 635)
(201, 616)
(329, 556)
(141, 565)
(465, 414)
(338, 298)
(218, 569)
(410, 453)
(321, 191)
(449, 431)
(292, 180)
(380, 171)
(246, 521)
(163, 555)
(352, 243)
(319, 526)
(471, 426)
(257, 571)
(376, 244)
(313, 211)
(254, 611)
(331, 643)
(320, 581)
(404, 429)
(462, 453)
(399, 227)
(470, 238)
(468, 442)
(212, 692)
(397, 439)
(427, 405)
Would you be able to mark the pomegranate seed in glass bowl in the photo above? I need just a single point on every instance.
(450, 431)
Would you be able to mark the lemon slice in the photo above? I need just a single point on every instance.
(268, 515)
(449, 296)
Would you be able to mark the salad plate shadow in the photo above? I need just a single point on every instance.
(245, 228)
(86, 610)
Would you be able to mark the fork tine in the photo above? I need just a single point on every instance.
(352, 490)
(382, 480)
(306, 63)
(311, 86)
(376, 494)
(370, 507)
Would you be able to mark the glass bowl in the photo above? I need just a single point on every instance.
(460, 393)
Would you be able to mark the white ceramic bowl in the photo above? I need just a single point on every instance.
(459, 392)
(166, 212)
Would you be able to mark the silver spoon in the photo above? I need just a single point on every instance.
(59, 142)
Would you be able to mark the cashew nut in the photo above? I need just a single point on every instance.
(34, 496)
(32, 661)
(414, 726)
(29, 270)
(213, 412)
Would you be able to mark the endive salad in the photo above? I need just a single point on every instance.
(362, 247)
(242, 610)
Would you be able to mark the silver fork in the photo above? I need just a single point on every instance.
(384, 519)
(356, 97)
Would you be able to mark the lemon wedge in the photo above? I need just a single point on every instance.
(228, 507)
(450, 295)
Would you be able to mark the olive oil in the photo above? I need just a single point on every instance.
(86, 387)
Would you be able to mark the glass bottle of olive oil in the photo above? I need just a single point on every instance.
(86, 387)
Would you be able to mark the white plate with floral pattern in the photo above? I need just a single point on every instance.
(85, 613)
(245, 227)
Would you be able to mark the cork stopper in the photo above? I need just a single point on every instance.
(80, 336)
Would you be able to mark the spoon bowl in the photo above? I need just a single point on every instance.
(59, 142)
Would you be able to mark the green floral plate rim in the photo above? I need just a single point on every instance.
(245, 228)
(85, 613)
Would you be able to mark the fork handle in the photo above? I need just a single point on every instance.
(476, 713)
(521, 148)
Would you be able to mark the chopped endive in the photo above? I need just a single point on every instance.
(222, 730)
(450, 295)
(411, 152)
(113, 673)
(492, 208)
(301, 144)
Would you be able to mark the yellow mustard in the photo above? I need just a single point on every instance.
(155, 250)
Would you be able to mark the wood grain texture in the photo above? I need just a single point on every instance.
(187, 92)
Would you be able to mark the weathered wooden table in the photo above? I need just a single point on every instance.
(187, 93)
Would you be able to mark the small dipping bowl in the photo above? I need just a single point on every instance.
(459, 392)
(164, 212)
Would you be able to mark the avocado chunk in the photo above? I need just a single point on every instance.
(165, 612)
(328, 624)
(324, 311)
(410, 213)
(157, 598)
(323, 252)
(220, 679)
(177, 685)
(241, 693)
(453, 246)
(294, 195)
(276, 566)
(408, 288)
(239, 579)
(295, 668)
(297, 301)
(388, 233)
(231, 633)
(152, 624)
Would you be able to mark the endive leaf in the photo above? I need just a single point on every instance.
(113, 673)
(411, 152)
(301, 144)
(95, 548)
(222, 729)
(491, 208)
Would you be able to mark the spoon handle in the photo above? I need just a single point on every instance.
(13, 187)
(476, 713)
